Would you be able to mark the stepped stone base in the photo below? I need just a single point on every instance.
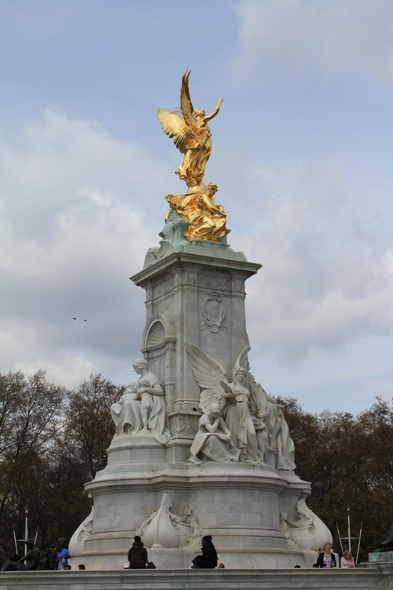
(365, 579)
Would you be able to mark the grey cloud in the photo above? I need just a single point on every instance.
(323, 284)
(78, 220)
(319, 288)
(354, 35)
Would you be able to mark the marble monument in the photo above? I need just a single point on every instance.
(200, 447)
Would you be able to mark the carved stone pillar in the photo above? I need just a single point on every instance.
(199, 300)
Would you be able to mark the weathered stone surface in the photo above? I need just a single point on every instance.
(381, 556)
(255, 579)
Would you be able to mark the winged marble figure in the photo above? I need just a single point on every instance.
(233, 398)
(192, 136)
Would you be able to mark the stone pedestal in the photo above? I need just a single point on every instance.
(381, 561)
(381, 557)
(195, 294)
(279, 579)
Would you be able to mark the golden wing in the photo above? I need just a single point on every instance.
(174, 126)
(186, 108)
(184, 129)
(208, 373)
(197, 135)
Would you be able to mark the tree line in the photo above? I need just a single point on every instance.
(53, 440)
(349, 461)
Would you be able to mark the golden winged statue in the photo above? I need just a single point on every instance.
(192, 136)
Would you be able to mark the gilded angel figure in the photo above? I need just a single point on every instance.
(192, 136)
(233, 398)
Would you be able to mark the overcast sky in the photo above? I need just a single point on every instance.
(302, 155)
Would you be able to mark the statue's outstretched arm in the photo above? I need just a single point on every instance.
(215, 112)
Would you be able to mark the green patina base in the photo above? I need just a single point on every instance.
(381, 556)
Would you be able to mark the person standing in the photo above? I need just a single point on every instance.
(137, 555)
(62, 556)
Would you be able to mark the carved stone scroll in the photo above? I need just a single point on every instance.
(161, 528)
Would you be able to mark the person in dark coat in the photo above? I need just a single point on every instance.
(137, 555)
(326, 558)
(208, 559)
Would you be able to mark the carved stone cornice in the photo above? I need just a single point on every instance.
(179, 260)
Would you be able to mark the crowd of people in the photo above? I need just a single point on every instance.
(46, 559)
(57, 559)
(326, 558)
(138, 558)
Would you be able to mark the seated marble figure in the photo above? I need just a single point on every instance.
(213, 438)
(126, 413)
(142, 407)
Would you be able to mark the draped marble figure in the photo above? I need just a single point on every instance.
(213, 438)
(142, 408)
(126, 413)
(236, 410)
(263, 435)
(233, 398)
(277, 427)
(254, 419)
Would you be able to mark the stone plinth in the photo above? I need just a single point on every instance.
(239, 505)
(197, 579)
(381, 561)
(381, 556)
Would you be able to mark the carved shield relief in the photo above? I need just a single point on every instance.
(214, 313)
